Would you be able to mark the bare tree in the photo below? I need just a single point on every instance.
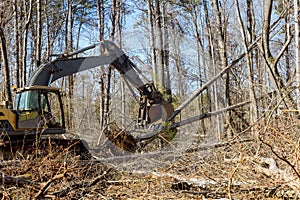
(28, 12)
(211, 53)
(120, 8)
(222, 52)
(272, 61)
(176, 39)
(101, 16)
(4, 9)
(5, 66)
(39, 33)
(297, 50)
(114, 17)
(166, 50)
(160, 45)
(253, 107)
(16, 42)
(193, 10)
(152, 40)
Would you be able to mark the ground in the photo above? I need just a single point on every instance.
(259, 164)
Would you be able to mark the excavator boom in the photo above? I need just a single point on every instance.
(61, 67)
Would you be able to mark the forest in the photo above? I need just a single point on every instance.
(239, 58)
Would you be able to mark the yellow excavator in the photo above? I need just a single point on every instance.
(38, 108)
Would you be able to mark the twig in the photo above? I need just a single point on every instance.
(230, 180)
(75, 186)
(99, 178)
(280, 157)
(48, 183)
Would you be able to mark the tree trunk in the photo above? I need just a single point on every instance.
(271, 61)
(297, 49)
(159, 37)
(48, 32)
(166, 52)
(221, 35)
(211, 54)
(16, 43)
(101, 14)
(25, 39)
(39, 34)
(152, 41)
(266, 30)
(109, 73)
(122, 84)
(177, 59)
(71, 78)
(107, 96)
(197, 36)
(287, 52)
(5, 67)
(253, 107)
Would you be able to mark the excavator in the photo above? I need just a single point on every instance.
(38, 108)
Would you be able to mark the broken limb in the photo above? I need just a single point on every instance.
(208, 114)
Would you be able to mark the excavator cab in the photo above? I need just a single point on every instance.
(39, 107)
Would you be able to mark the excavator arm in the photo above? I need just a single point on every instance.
(152, 105)
(64, 66)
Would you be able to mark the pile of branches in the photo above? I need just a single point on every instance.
(55, 174)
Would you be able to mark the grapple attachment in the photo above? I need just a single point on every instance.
(160, 112)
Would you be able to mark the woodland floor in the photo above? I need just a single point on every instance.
(240, 168)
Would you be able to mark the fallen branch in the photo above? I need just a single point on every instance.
(208, 114)
(9, 180)
(65, 191)
(48, 183)
(218, 145)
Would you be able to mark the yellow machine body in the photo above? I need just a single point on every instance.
(8, 116)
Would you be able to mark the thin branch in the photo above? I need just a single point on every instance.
(48, 183)
(280, 157)
(285, 46)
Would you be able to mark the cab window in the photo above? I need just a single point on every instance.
(28, 100)
(16, 100)
(52, 105)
